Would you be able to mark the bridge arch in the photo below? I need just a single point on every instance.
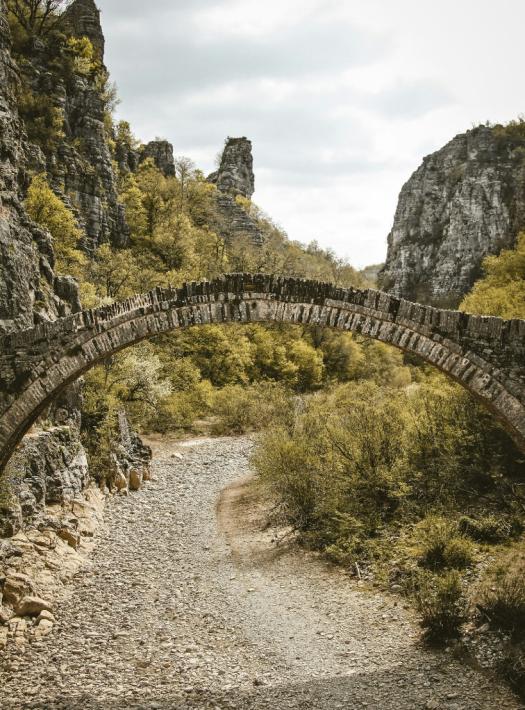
(485, 355)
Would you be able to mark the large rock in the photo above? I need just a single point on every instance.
(464, 202)
(32, 606)
(233, 179)
(161, 152)
(49, 467)
(235, 174)
(16, 587)
(83, 20)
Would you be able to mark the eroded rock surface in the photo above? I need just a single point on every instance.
(235, 174)
(161, 152)
(235, 178)
(28, 293)
(464, 202)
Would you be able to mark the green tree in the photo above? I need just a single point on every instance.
(48, 210)
(132, 198)
(501, 292)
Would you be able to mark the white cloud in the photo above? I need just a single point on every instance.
(341, 98)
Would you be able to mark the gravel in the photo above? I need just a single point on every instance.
(186, 605)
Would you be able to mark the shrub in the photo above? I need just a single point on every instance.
(285, 467)
(442, 605)
(440, 546)
(241, 409)
(490, 528)
(44, 121)
(182, 408)
(512, 667)
(503, 598)
(51, 213)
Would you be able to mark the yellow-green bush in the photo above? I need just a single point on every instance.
(502, 597)
(372, 458)
(501, 292)
(238, 409)
(439, 544)
(442, 604)
(51, 213)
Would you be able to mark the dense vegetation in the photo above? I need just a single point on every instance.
(415, 488)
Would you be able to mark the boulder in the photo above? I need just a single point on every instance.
(136, 476)
(16, 587)
(32, 606)
(5, 615)
(69, 535)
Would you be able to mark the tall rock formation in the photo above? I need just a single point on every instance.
(80, 168)
(28, 286)
(30, 292)
(233, 179)
(161, 152)
(82, 18)
(464, 202)
(235, 174)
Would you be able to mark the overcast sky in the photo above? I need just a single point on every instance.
(341, 99)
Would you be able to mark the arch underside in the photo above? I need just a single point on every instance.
(102, 338)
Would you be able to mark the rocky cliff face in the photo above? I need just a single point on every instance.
(161, 152)
(464, 202)
(235, 174)
(51, 466)
(82, 19)
(29, 290)
(80, 167)
(233, 179)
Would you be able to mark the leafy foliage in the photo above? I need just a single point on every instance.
(48, 210)
(502, 290)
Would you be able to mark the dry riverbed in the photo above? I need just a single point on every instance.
(186, 603)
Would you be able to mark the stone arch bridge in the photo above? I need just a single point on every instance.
(484, 354)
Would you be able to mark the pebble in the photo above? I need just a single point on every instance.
(161, 617)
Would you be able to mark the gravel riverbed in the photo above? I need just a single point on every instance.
(187, 603)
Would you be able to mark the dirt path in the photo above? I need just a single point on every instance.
(186, 604)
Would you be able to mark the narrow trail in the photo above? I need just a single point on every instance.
(187, 604)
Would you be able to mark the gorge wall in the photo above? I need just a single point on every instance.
(464, 202)
(51, 466)
(29, 288)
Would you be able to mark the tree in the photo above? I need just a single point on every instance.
(48, 210)
(37, 17)
(152, 184)
(502, 290)
(185, 171)
(131, 197)
(114, 273)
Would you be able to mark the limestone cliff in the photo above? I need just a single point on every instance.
(79, 160)
(233, 179)
(235, 174)
(82, 19)
(46, 87)
(161, 152)
(464, 202)
(29, 290)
